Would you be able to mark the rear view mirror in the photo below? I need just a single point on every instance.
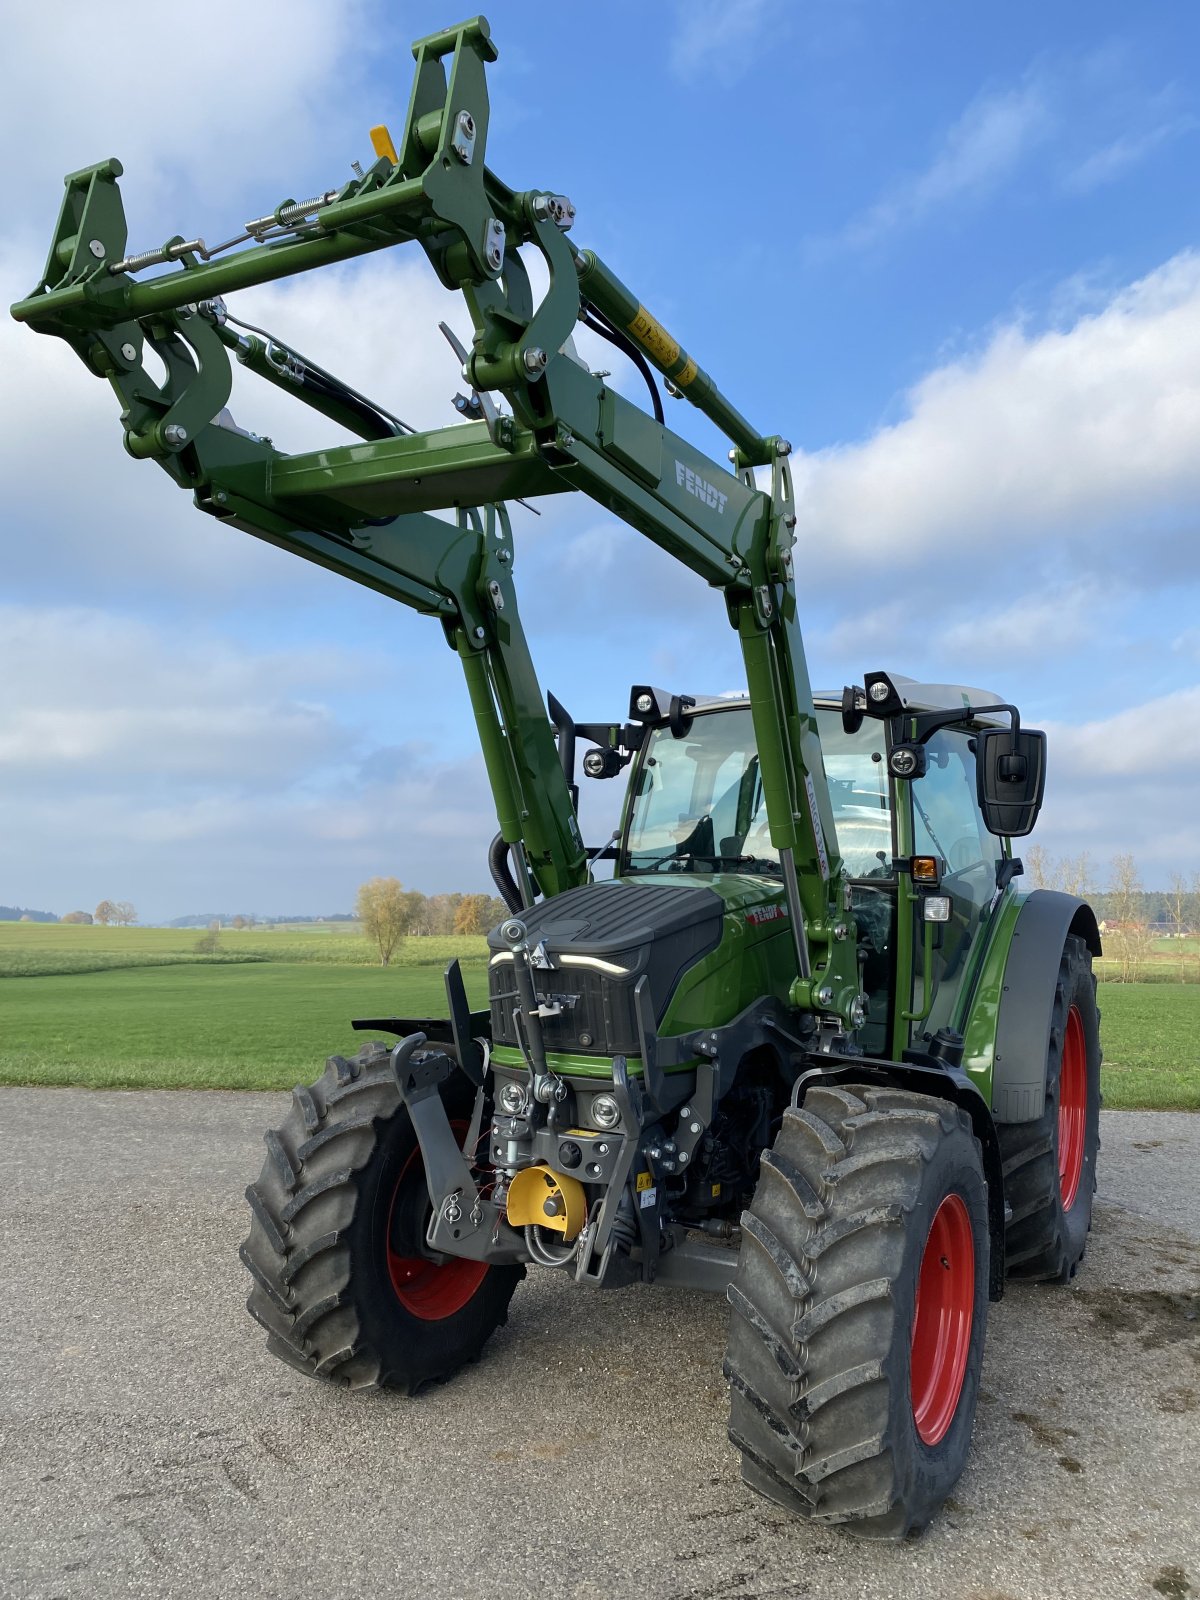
(1011, 774)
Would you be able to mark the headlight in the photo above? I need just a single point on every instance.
(606, 1113)
(512, 1098)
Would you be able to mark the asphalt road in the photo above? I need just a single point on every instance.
(149, 1446)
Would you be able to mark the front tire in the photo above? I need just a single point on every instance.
(343, 1283)
(1050, 1164)
(859, 1310)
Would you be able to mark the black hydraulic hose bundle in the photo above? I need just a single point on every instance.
(595, 319)
(501, 870)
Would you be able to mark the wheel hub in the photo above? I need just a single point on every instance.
(428, 1288)
(1072, 1109)
(942, 1319)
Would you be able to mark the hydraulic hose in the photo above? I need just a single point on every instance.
(498, 862)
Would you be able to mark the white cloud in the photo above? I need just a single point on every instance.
(118, 701)
(1151, 743)
(1122, 154)
(992, 137)
(240, 99)
(1087, 434)
(1127, 782)
(920, 640)
(282, 850)
(201, 772)
(1046, 622)
(718, 38)
(1070, 125)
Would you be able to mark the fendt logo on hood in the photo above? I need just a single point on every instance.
(758, 914)
(700, 487)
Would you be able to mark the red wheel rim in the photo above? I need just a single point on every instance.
(1072, 1108)
(430, 1290)
(942, 1320)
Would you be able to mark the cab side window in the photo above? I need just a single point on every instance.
(946, 819)
(947, 824)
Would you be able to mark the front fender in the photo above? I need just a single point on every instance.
(1027, 999)
(942, 1082)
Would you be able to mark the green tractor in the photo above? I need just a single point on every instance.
(809, 1045)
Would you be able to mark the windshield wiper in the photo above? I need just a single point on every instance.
(757, 864)
(669, 861)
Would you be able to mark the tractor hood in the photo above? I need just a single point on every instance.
(598, 941)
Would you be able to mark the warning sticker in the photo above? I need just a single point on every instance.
(818, 831)
(648, 1198)
(685, 374)
(644, 1181)
(652, 336)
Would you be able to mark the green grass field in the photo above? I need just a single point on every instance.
(138, 1008)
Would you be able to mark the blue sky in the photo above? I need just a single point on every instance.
(950, 251)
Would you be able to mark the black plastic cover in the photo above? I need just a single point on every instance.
(635, 928)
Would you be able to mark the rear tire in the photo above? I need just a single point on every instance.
(342, 1283)
(845, 1405)
(1050, 1164)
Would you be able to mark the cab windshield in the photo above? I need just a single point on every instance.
(699, 803)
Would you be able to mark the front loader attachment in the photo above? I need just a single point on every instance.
(536, 421)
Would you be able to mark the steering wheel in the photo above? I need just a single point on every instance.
(964, 854)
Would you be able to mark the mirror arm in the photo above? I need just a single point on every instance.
(926, 723)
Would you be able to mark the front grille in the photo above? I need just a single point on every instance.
(598, 1014)
(645, 930)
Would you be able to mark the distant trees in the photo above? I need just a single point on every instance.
(1131, 916)
(439, 912)
(422, 916)
(78, 916)
(470, 915)
(386, 909)
(1130, 936)
(477, 913)
(1071, 874)
(119, 911)
(1182, 898)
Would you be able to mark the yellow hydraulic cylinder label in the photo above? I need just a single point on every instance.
(652, 336)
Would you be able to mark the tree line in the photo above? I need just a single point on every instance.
(390, 913)
(1131, 917)
(118, 911)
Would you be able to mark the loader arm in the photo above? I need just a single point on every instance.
(363, 509)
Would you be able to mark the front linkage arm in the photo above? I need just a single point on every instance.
(361, 509)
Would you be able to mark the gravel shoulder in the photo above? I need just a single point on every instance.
(150, 1446)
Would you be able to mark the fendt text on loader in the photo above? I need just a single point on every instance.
(809, 1045)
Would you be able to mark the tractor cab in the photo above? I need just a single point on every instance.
(924, 870)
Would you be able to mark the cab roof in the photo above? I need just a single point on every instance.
(916, 696)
